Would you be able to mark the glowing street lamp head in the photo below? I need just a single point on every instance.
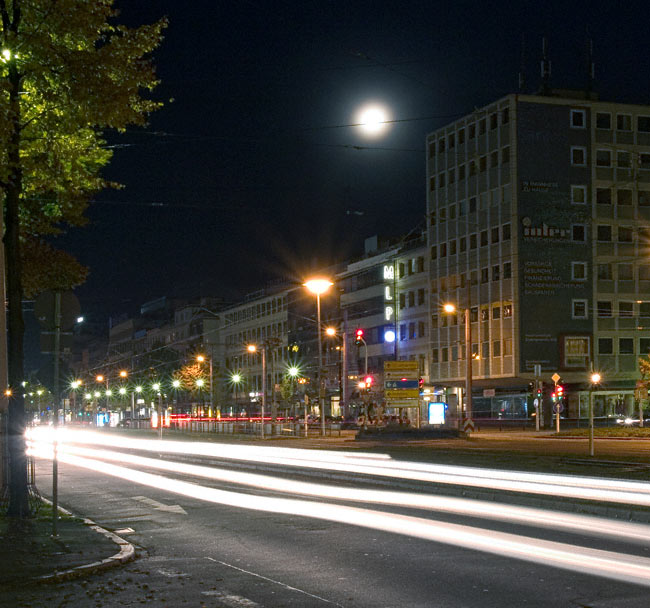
(373, 120)
(200, 358)
(138, 389)
(156, 386)
(293, 371)
(450, 308)
(318, 285)
(200, 382)
(251, 348)
(236, 378)
(122, 391)
(330, 331)
(176, 383)
(99, 378)
(595, 378)
(124, 373)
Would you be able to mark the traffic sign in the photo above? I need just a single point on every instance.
(556, 377)
(558, 408)
(468, 425)
(44, 307)
(402, 393)
(402, 383)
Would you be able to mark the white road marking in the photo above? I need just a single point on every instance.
(232, 601)
(159, 506)
(266, 578)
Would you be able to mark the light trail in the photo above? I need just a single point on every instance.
(594, 562)
(567, 486)
(568, 522)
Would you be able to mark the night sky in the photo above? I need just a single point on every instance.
(253, 173)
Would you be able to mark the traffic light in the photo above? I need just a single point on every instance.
(531, 387)
(368, 382)
(539, 392)
(358, 337)
(421, 383)
(560, 393)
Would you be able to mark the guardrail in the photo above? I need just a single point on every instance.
(246, 427)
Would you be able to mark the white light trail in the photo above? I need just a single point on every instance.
(568, 486)
(593, 562)
(568, 522)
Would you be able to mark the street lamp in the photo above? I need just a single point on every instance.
(156, 387)
(252, 348)
(319, 286)
(451, 309)
(331, 332)
(236, 380)
(201, 359)
(74, 385)
(595, 380)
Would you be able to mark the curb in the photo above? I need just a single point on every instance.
(124, 555)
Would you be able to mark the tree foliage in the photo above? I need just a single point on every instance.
(68, 73)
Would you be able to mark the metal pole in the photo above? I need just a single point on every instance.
(591, 420)
(263, 386)
(55, 461)
(321, 399)
(468, 365)
(160, 417)
(344, 366)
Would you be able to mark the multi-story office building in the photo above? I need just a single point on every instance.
(538, 213)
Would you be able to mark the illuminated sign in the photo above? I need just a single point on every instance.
(389, 272)
(389, 298)
(390, 311)
(436, 413)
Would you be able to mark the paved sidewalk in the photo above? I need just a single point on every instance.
(30, 555)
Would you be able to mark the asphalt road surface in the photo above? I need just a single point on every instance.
(240, 526)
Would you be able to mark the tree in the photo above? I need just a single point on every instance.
(67, 73)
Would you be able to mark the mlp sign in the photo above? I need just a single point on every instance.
(401, 383)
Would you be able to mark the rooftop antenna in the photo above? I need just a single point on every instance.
(522, 65)
(546, 68)
(591, 66)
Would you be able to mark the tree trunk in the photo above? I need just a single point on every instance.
(18, 491)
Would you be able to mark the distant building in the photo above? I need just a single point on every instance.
(538, 209)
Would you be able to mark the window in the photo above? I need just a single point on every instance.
(579, 271)
(462, 244)
(485, 314)
(434, 252)
(626, 309)
(472, 131)
(472, 168)
(644, 198)
(625, 234)
(623, 122)
(496, 312)
(402, 300)
(473, 314)
(626, 346)
(482, 163)
(472, 204)
(443, 249)
(412, 335)
(411, 297)
(625, 272)
(624, 196)
(623, 160)
(578, 119)
(644, 309)
(482, 126)
(485, 275)
(604, 272)
(443, 214)
(402, 332)
(420, 296)
(493, 121)
(484, 238)
(441, 144)
(579, 309)
(485, 350)
(505, 232)
(505, 155)
(442, 180)
(604, 308)
(643, 124)
(578, 232)
(578, 156)
(473, 241)
(461, 172)
(434, 355)
(452, 247)
(579, 195)
(603, 233)
(451, 140)
(420, 264)
(507, 311)
(496, 273)
(644, 346)
(452, 212)
(644, 161)
(505, 116)
(604, 196)
(603, 158)
(507, 347)
(644, 272)
(495, 235)
(507, 270)
(605, 346)
(461, 136)
(603, 120)
(494, 159)
(496, 348)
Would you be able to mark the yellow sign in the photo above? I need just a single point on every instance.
(401, 366)
(402, 393)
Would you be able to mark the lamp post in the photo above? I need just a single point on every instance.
(252, 348)
(595, 380)
(331, 331)
(236, 381)
(74, 385)
(451, 308)
(319, 286)
(201, 359)
(156, 387)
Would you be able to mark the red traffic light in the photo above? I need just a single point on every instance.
(368, 380)
(358, 336)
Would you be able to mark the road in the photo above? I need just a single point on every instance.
(241, 526)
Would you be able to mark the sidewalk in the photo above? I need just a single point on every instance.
(29, 554)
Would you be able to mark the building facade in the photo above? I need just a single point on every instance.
(538, 212)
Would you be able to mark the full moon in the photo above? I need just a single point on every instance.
(372, 120)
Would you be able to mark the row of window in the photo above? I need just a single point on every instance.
(456, 281)
(625, 346)
(605, 233)
(473, 167)
(480, 127)
(604, 158)
(496, 197)
(473, 241)
(604, 308)
(499, 348)
(408, 332)
(269, 307)
(624, 196)
(411, 266)
(256, 334)
(484, 313)
(624, 122)
(410, 297)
